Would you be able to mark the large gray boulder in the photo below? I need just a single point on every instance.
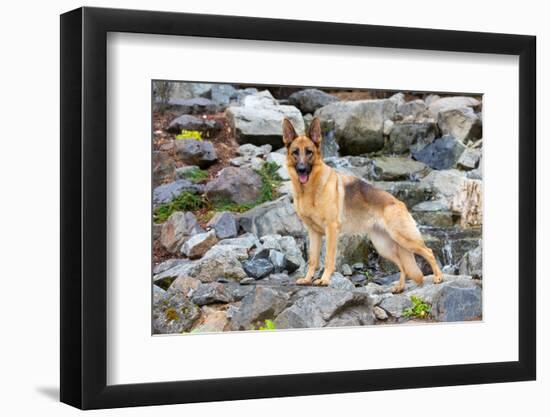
(260, 304)
(173, 313)
(462, 123)
(196, 152)
(472, 263)
(443, 153)
(225, 224)
(412, 108)
(395, 168)
(197, 245)
(167, 192)
(310, 99)
(451, 103)
(176, 230)
(235, 185)
(273, 217)
(189, 90)
(405, 137)
(358, 125)
(208, 127)
(321, 307)
(409, 192)
(259, 120)
(210, 293)
(457, 302)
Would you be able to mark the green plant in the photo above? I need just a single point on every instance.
(419, 309)
(270, 181)
(189, 134)
(368, 275)
(195, 175)
(269, 325)
(186, 201)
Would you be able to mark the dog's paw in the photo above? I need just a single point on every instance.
(397, 289)
(322, 282)
(438, 279)
(303, 281)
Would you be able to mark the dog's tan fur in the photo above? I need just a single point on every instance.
(330, 203)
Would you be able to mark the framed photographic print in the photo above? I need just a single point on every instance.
(292, 208)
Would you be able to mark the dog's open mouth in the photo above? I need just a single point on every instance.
(303, 178)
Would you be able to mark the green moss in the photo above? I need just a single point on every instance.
(189, 134)
(419, 309)
(171, 314)
(196, 175)
(269, 325)
(186, 201)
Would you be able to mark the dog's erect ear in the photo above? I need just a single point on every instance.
(289, 134)
(314, 132)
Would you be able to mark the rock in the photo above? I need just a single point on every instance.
(225, 224)
(346, 270)
(443, 153)
(472, 263)
(463, 124)
(217, 264)
(358, 166)
(310, 99)
(184, 171)
(173, 313)
(211, 293)
(412, 108)
(221, 94)
(214, 321)
(388, 126)
(197, 245)
(278, 279)
(181, 90)
(433, 213)
(235, 185)
(449, 244)
(247, 161)
(271, 242)
(208, 127)
(394, 168)
(168, 264)
(395, 304)
(250, 150)
(259, 120)
(239, 252)
(358, 266)
(293, 255)
(258, 268)
(358, 278)
(247, 281)
(445, 183)
(329, 146)
(176, 230)
(340, 282)
(409, 192)
(280, 160)
(197, 105)
(163, 167)
(380, 313)
(247, 241)
(196, 152)
(358, 125)
(456, 303)
(411, 136)
(468, 203)
(451, 103)
(260, 304)
(273, 217)
(320, 307)
(167, 192)
(186, 285)
(469, 159)
(278, 260)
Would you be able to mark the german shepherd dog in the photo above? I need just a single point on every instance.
(330, 203)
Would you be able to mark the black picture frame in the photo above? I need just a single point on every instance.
(84, 207)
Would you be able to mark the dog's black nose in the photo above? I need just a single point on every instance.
(301, 168)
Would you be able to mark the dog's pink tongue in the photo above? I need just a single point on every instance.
(303, 178)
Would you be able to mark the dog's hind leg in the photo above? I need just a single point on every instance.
(387, 248)
(402, 228)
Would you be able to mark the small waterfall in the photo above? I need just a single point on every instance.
(447, 253)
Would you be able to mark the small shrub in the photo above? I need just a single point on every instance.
(270, 181)
(189, 134)
(196, 175)
(269, 325)
(419, 309)
(186, 201)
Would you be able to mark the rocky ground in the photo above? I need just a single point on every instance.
(228, 245)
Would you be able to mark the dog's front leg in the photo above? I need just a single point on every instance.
(314, 250)
(332, 232)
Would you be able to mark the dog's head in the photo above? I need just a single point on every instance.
(303, 152)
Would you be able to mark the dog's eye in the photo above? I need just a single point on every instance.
(296, 152)
(309, 152)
